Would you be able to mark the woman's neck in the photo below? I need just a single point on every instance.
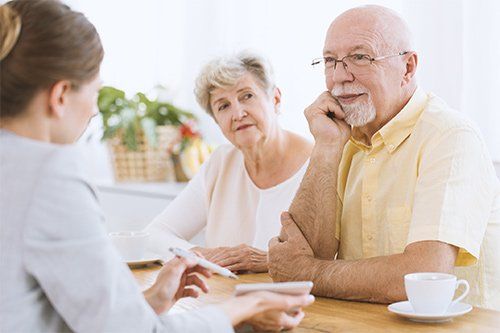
(264, 157)
(25, 126)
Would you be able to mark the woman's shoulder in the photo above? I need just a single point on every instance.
(31, 156)
(225, 161)
(224, 155)
(64, 161)
(225, 151)
(301, 148)
(301, 144)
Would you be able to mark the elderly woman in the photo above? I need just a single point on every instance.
(241, 190)
(58, 270)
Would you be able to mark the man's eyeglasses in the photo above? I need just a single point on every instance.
(354, 63)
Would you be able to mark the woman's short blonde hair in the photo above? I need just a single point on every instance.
(224, 72)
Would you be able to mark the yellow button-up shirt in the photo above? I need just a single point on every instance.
(426, 176)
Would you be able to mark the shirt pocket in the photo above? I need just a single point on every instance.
(398, 225)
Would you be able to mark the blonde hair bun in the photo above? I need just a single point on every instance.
(10, 28)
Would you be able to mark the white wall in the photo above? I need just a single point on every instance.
(153, 42)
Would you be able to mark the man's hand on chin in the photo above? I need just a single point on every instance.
(290, 256)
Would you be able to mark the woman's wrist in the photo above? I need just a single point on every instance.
(151, 297)
(154, 299)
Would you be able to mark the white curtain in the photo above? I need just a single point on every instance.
(166, 42)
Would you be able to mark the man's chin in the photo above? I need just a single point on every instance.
(357, 118)
(357, 123)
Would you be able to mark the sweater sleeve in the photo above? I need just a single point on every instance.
(210, 319)
(182, 219)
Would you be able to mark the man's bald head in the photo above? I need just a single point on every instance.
(390, 30)
(373, 91)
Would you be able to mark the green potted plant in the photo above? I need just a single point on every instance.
(141, 133)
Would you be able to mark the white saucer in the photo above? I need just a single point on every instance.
(405, 309)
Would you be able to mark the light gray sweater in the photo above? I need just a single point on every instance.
(58, 269)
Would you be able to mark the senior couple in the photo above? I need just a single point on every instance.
(395, 182)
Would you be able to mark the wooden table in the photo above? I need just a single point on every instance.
(330, 315)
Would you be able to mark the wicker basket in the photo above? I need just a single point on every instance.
(147, 163)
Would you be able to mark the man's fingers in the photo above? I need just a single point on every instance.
(325, 104)
(335, 108)
(285, 216)
(273, 242)
(289, 227)
(282, 236)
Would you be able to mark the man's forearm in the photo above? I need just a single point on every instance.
(378, 279)
(315, 205)
(372, 280)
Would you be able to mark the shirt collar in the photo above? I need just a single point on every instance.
(400, 127)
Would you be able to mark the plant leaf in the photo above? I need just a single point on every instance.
(149, 127)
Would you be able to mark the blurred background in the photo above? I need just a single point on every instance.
(152, 142)
(160, 42)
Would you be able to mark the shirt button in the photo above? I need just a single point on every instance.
(370, 237)
(369, 198)
(372, 160)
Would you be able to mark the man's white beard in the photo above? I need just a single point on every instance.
(356, 114)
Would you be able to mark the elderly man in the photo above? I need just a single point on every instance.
(397, 182)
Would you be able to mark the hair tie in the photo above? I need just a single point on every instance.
(11, 29)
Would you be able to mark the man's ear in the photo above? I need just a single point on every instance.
(411, 68)
(277, 99)
(58, 98)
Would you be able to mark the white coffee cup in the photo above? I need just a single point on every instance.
(130, 244)
(432, 293)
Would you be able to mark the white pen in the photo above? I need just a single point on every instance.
(203, 263)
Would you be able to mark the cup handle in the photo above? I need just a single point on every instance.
(462, 296)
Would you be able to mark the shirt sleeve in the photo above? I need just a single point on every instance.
(338, 217)
(454, 193)
(182, 219)
(68, 252)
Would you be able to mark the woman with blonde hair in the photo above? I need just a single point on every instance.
(58, 269)
(240, 192)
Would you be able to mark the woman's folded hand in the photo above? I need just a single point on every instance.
(238, 258)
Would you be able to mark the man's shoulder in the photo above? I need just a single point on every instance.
(439, 116)
(440, 124)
